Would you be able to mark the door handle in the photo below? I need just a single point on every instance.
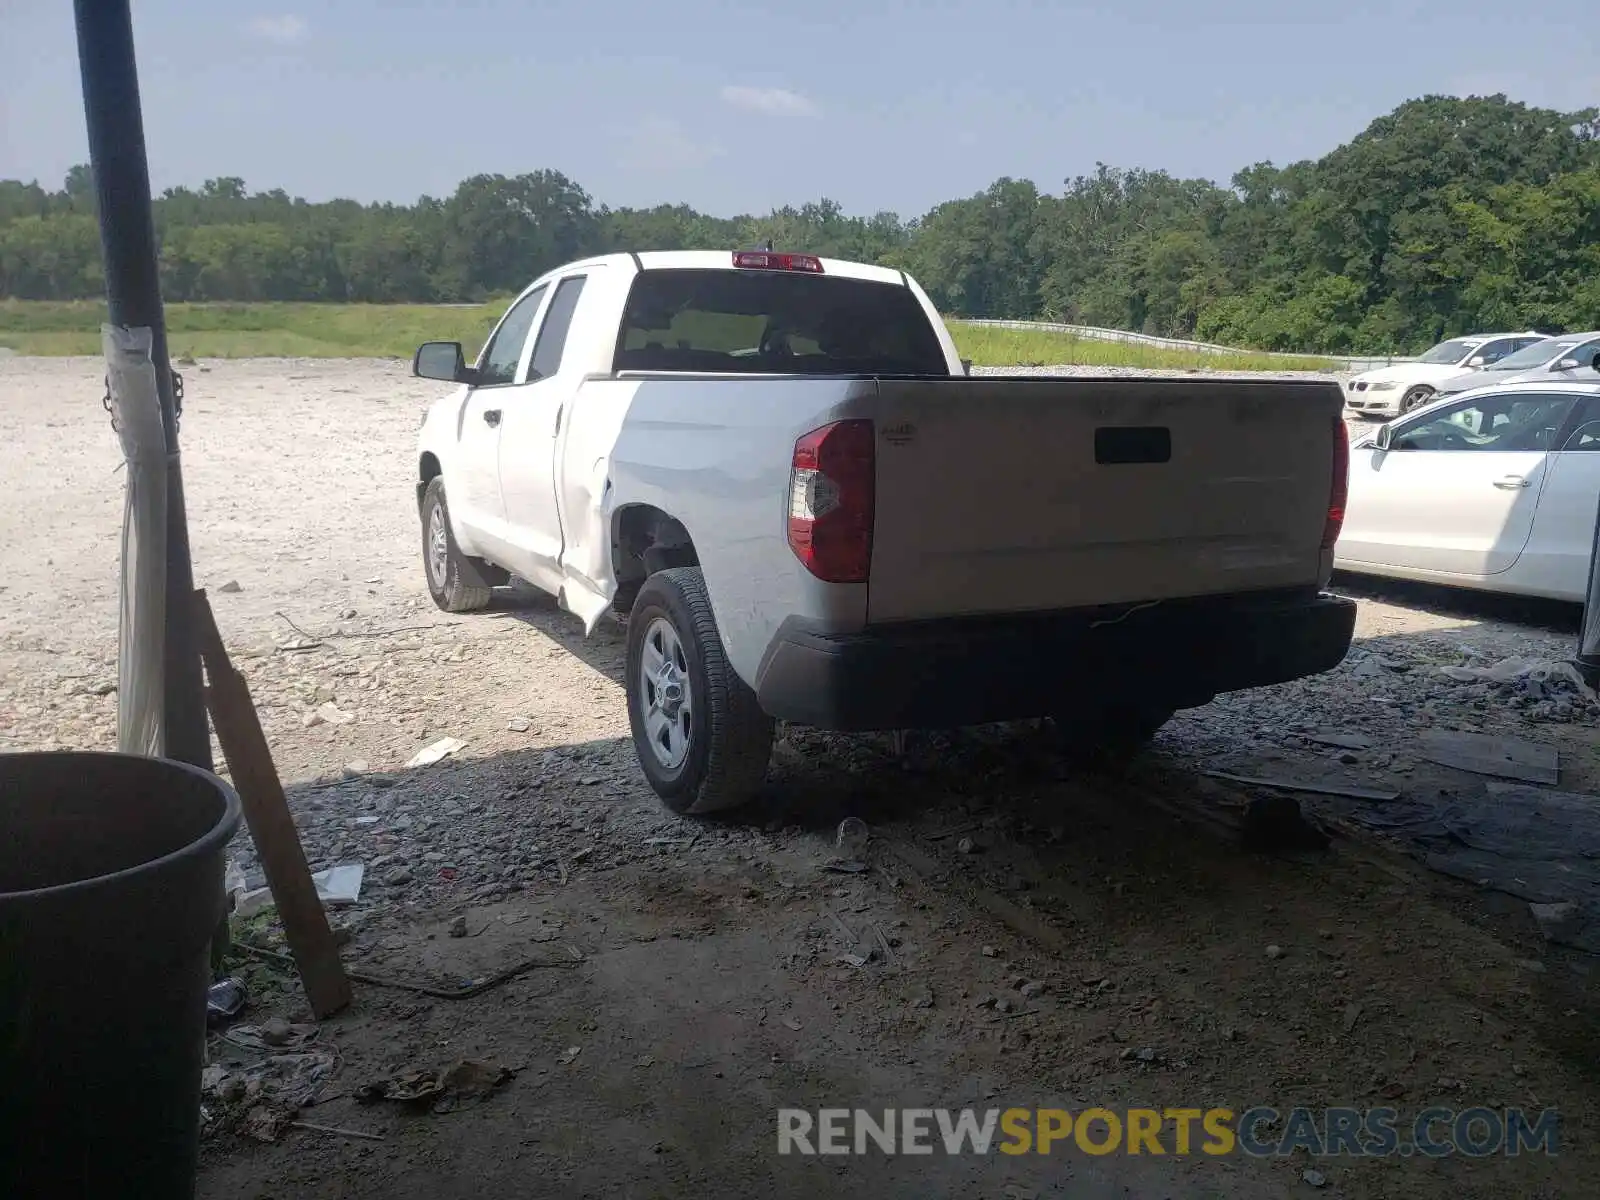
(1511, 482)
(491, 416)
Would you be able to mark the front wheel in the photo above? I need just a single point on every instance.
(1415, 398)
(702, 740)
(447, 569)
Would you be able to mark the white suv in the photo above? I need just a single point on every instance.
(1401, 387)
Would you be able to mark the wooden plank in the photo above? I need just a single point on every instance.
(266, 812)
(1508, 758)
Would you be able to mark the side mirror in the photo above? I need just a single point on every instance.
(1477, 360)
(1566, 364)
(443, 361)
(1383, 437)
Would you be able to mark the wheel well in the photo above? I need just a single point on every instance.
(427, 471)
(645, 540)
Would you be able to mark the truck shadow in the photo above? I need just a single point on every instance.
(1000, 803)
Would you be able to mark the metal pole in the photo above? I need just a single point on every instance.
(133, 298)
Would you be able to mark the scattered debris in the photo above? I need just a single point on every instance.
(264, 1123)
(471, 987)
(519, 725)
(463, 1081)
(851, 838)
(1509, 758)
(230, 588)
(336, 1130)
(337, 887)
(1314, 1178)
(225, 999)
(1343, 741)
(966, 846)
(1531, 676)
(458, 927)
(332, 714)
(970, 827)
(436, 752)
(1274, 951)
(991, 952)
(570, 1055)
(852, 866)
(273, 1034)
(1321, 789)
(791, 1023)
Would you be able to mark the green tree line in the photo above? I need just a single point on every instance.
(1446, 216)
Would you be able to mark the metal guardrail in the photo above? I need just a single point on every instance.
(1096, 334)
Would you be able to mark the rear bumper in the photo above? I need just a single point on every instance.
(970, 671)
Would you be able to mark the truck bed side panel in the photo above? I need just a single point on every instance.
(715, 453)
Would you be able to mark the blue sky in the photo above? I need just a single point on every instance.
(737, 107)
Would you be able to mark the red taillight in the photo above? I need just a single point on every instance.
(830, 501)
(766, 260)
(1339, 489)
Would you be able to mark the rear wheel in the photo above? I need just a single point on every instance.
(1415, 398)
(702, 740)
(1109, 735)
(446, 568)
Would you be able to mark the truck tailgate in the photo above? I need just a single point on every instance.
(1013, 495)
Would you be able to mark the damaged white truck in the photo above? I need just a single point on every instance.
(777, 470)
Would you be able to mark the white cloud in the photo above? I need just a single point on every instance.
(771, 102)
(661, 145)
(284, 29)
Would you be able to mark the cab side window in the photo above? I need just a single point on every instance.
(552, 339)
(498, 363)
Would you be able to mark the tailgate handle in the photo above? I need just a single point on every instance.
(1116, 445)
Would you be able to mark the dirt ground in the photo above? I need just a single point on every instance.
(1022, 935)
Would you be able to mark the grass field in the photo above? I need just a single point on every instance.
(393, 331)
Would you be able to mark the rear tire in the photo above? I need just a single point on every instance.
(702, 740)
(445, 567)
(1415, 398)
(1109, 736)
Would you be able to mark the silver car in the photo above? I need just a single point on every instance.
(1554, 360)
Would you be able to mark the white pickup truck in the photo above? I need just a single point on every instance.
(777, 471)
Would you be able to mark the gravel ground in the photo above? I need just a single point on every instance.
(722, 969)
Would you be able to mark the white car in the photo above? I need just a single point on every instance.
(775, 468)
(1495, 489)
(1401, 387)
(1564, 358)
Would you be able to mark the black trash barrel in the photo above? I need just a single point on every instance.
(110, 891)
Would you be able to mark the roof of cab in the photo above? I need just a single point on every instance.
(722, 260)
